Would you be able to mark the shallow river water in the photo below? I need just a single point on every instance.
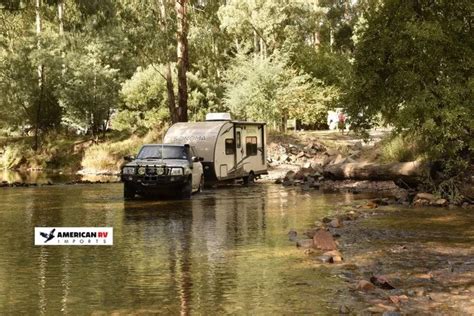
(223, 251)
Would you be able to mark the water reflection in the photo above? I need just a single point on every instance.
(41, 177)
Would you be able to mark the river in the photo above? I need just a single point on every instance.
(225, 251)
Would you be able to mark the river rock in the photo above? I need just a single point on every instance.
(292, 235)
(336, 223)
(381, 282)
(323, 240)
(364, 285)
(425, 196)
(336, 256)
(304, 243)
(441, 202)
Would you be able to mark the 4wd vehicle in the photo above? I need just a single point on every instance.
(162, 169)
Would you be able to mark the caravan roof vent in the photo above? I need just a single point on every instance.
(218, 117)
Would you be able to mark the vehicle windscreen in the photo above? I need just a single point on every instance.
(163, 152)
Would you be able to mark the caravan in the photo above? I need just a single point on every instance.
(230, 149)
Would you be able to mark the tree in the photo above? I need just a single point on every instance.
(413, 65)
(266, 89)
(183, 58)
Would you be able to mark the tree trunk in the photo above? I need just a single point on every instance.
(170, 92)
(61, 17)
(407, 171)
(168, 75)
(183, 59)
(40, 75)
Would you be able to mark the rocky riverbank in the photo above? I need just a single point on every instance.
(396, 262)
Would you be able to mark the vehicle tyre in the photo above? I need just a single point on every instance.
(128, 191)
(249, 179)
(187, 189)
(201, 184)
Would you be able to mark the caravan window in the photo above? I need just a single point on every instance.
(229, 146)
(251, 145)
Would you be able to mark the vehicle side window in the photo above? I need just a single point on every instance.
(251, 145)
(229, 146)
(238, 142)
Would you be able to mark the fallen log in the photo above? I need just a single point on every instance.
(408, 171)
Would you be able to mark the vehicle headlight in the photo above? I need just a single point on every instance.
(128, 170)
(176, 172)
(141, 171)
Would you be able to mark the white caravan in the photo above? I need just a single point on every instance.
(230, 149)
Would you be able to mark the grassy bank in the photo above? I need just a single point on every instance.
(71, 154)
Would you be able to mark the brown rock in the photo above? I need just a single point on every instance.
(334, 255)
(381, 282)
(364, 285)
(323, 240)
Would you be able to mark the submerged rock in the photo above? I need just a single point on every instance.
(364, 285)
(292, 235)
(304, 243)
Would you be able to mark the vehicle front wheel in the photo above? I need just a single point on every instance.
(128, 191)
(201, 184)
(187, 189)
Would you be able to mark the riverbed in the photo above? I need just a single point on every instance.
(225, 251)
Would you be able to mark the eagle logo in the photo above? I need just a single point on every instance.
(48, 236)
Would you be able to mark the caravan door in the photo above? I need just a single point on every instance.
(239, 150)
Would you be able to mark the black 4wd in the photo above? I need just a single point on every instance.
(162, 169)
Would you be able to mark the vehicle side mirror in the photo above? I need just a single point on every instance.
(201, 159)
(129, 158)
(195, 159)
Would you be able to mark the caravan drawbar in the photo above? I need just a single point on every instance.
(230, 149)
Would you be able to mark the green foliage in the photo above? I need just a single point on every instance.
(413, 64)
(266, 89)
(400, 149)
(89, 90)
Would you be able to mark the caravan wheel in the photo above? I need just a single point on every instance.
(249, 179)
